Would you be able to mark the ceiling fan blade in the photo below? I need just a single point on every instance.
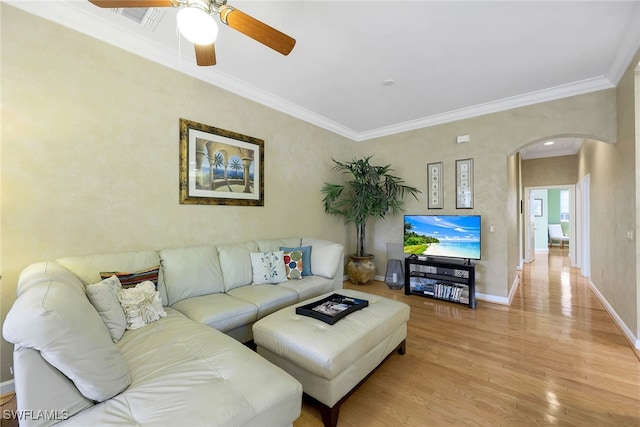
(134, 3)
(257, 30)
(205, 54)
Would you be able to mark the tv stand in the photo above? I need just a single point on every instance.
(441, 279)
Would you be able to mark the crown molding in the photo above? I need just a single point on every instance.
(627, 49)
(551, 94)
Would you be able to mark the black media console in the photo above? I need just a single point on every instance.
(441, 279)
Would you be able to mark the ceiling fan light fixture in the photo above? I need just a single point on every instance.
(197, 26)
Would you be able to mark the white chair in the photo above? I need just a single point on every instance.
(556, 234)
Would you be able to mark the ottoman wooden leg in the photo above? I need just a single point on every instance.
(402, 348)
(330, 415)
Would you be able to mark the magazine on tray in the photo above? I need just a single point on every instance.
(332, 308)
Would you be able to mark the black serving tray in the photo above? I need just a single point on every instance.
(332, 308)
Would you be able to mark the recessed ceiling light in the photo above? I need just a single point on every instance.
(549, 143)
(388, 82)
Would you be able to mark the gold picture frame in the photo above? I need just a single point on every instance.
(220, 167)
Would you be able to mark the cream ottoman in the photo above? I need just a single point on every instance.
(332, 360)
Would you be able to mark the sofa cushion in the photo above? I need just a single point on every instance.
(196, 376)
(89, 267)
(268, 267)
(325, 256)
(293, 264)
(52, 390)
(61, 323)
(267, 298)
(235, 263)
(220, 311)
(306, 257)
(269, 245)
(309, 287)
(191, 272)
(104, 298)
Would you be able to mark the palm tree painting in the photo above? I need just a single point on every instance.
(225, 168)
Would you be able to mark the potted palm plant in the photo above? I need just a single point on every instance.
(369, 191)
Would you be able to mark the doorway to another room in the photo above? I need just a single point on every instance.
(553, 206)
(551, 219)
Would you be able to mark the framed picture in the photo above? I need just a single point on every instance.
(434, 183)
(464, 184)
(220, 167)
(537, 207)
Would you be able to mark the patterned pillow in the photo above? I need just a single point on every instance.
(293, 264)
(130, 280)
(306, 258)
(268, 267)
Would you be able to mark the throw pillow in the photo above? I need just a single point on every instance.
(293, 264)
(141, 305)
(306, 258)
(326, 259)
(268, 267)
(129, 280)
(104, 298)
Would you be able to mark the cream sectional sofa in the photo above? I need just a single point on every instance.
(188, 368)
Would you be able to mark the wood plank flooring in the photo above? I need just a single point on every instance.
(553, 357)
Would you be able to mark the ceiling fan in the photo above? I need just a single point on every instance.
(196, 24)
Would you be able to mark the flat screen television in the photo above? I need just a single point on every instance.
(450, 236)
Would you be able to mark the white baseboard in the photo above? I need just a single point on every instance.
(492, 298)
(514, 287)
(635, 341)
(6, 387)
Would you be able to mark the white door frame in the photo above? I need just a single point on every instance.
(583, 213)
(529, 227)
(529, 236)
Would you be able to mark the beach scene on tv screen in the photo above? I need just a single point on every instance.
(446, 236)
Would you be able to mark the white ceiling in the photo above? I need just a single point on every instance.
(449, 59)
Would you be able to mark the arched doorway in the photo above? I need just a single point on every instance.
(556, 165)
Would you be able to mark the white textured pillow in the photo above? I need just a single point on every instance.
(268, 267)
(104, 298)
(141, 305)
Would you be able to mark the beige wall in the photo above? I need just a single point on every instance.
(613, 170)
(90, 159)
(494, 138)
(550, 171)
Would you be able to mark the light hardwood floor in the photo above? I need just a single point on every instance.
(553, 357)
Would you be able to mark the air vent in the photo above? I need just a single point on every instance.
(148, 17)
